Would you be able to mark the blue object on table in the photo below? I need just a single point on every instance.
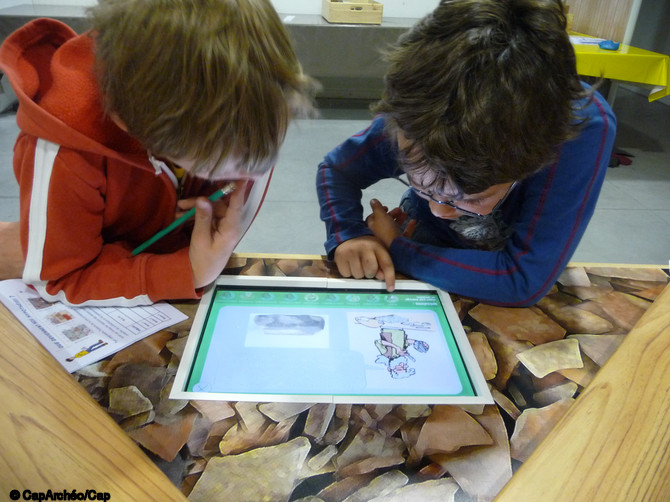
(609, 45)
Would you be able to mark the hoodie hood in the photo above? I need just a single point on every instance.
(51, 69)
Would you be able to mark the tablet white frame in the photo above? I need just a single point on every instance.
(481, 388)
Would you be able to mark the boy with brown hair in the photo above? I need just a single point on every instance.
(504, 152)
(161, 103)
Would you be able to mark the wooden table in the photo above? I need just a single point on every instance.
(55, 436)
(612, 444)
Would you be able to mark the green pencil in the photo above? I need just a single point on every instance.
(222, 192)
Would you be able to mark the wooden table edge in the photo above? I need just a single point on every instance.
(55, 436)
(613, 443)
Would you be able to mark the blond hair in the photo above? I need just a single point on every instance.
(203, 79)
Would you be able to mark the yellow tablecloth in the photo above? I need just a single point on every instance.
(628, 63)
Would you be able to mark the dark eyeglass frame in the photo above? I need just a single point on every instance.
(451, 203)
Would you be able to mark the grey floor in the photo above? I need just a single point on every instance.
(631, 223)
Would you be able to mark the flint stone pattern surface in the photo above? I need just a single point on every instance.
(537, 360)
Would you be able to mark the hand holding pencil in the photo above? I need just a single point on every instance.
(215, 233)
(222, 192)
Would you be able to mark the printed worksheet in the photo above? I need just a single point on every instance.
(79, 336)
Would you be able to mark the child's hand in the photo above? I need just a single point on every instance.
(366, 257)
(387, 225)
(216, 231)
(184, 205)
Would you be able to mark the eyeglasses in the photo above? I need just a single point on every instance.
(451, 204)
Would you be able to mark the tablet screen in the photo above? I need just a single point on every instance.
(327, 344)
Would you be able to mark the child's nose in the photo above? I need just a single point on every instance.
(443, 211)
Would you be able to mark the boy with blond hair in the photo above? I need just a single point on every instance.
(161, 103)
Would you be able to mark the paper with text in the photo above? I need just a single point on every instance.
(79, 336)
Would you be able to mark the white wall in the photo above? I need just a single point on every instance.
(392, 8)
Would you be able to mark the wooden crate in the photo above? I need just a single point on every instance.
(360, 12)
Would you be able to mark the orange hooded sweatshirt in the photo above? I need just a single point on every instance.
(88, 191)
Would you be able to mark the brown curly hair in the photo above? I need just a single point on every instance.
(484, 90)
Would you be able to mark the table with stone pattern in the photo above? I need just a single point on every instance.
(581, 383)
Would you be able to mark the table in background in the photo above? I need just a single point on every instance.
(627, 64)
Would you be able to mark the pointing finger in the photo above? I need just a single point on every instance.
(377, 206)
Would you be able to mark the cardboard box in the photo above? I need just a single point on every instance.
(359, 12)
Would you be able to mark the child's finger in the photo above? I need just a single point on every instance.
(237, 197)
(398, 215)
(233, 202)
(409, 229)
(396, 212)
(377, 206)
(386, 271)
(184, 205)
(202, 226)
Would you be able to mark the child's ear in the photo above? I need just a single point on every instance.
(120, 123)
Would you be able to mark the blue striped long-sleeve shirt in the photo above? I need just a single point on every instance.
(548, 212)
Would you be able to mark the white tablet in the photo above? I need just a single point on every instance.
(319, 340)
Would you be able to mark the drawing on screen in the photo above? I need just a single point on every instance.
(394, 344)
(289, 324)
